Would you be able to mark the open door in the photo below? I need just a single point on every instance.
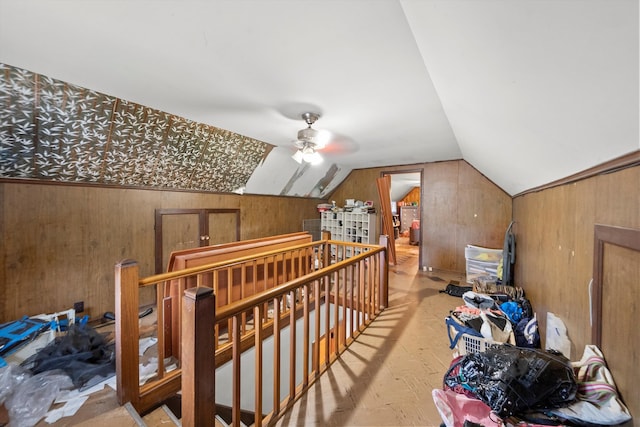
(384, 191)
(407, 211)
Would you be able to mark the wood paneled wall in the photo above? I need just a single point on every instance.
(412, 196)
(460, 206)
(61, 242)
(555, 246)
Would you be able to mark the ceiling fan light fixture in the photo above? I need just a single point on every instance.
(307, 154)
(319, 138)
(310, 118)
(310, 140)
(307, 134)
(314, 158)
(297, 156)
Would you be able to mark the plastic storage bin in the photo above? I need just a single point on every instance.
(481, 262)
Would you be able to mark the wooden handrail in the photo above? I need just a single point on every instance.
(347, 289)
(246, 303)
(193, 271)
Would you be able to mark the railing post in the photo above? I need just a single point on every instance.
(198, 357)
(384, 272)
(127, 331)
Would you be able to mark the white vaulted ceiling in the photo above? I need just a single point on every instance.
(526, 91)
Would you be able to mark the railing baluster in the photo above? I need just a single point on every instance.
(243, 281)
(316, 348)
(327, 317)
(236, 386)
(257, 328)
(276, 356)
(381, 259)
(356, 291)
(254, 265)
(336, 310)
(265, 308)
(345, 317)
(292, 346)
(361, 293)
(216, 335)
(305, 339)
(376, 286)
(160, 328)
(371, 292)
(302, 266)
(265, 274)
(231, 331)
(351, 270)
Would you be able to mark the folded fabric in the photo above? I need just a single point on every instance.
(597, 401)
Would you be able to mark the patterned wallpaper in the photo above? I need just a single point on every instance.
(52, 130)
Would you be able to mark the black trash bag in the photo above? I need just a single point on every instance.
(455, 290)
(514, 380)
(82, 353)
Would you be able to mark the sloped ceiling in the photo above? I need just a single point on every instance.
(526, 91)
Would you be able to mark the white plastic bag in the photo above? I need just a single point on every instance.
(39, 391)
(11, 376)
(557, 338)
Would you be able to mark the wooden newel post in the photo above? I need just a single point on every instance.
(198, 357)
(326, 252)
(127, 343)
(384, 272)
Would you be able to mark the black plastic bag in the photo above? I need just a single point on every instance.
(82, 353)
(514, 380)
(455, 290)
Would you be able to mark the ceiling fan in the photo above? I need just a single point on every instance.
(310, 140)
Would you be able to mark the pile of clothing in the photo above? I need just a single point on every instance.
(511, 382)
(511, 386)
(508, 321)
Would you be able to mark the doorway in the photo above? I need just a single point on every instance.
(191, 228)
(406, 208)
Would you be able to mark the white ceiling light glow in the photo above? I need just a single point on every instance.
(309, 141)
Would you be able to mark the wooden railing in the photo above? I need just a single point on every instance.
(336, 290)
(233, 283)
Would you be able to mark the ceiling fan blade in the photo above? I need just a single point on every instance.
(340, 144)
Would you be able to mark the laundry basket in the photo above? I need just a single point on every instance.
(472, 344)
(466, 340)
